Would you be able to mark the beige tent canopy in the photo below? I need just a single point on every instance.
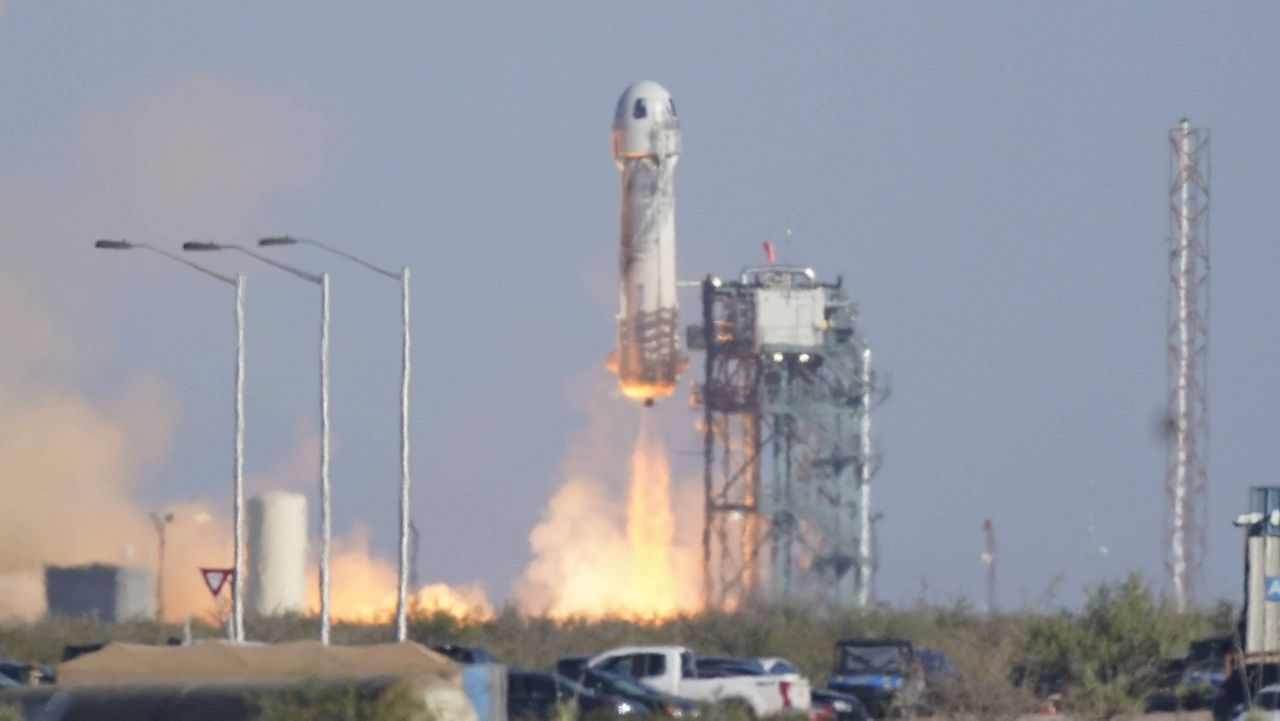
(215, 680)
(221, 661)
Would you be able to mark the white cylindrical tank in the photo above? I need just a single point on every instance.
(646, 147)
(277, 553)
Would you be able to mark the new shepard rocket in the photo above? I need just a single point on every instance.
(646, 146)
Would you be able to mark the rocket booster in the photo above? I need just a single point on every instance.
(646, 147)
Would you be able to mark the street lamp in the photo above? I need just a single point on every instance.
(325, 519)
(403, 277)
(160, 521)
(237, 503)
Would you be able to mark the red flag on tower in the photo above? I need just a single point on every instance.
(769, 252)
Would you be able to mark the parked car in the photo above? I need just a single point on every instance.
(884, 673)
(842, 706)
(1192, 681)
(674, 671)
(1266, 706)
(648, 700)
(1231, 694)
(537, 696)
(722, 666)
(775, 666)
(573, 665)
(464, 654)
(23, 673)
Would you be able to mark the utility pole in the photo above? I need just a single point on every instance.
(326, 526)
(401, 277)
(235, 627)
(160, 521)
(413, 555)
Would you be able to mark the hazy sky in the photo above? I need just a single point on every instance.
(990, 179)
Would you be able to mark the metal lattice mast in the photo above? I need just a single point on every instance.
(1186, 473)
(989, 562)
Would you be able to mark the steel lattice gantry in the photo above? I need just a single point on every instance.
(785, 398)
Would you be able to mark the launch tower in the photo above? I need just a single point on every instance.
(785, 396)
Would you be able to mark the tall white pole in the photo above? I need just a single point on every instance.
(325, 516)
(865, 559)
(402, 630)
(235, 620)
(237, 577)
(402, 582)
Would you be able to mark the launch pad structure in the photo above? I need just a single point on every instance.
(786, 394)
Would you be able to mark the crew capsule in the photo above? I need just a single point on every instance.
(646, 147)
(645, 123)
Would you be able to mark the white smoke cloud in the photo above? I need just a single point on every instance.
(200, 153)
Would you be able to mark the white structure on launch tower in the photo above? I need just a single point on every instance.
(646, 147)
(277, 553)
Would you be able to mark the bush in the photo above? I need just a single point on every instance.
(1109, 654)
(319, 701)
(982, 686)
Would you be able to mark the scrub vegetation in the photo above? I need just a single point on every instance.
(1105, 654)
(316, 701)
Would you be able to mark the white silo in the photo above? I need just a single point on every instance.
(277, 553)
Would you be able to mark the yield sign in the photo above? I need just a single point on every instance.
(216, 578)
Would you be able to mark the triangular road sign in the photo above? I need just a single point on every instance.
(216, 578)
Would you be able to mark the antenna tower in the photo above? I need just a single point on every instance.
(1187, 467)
(989, 560)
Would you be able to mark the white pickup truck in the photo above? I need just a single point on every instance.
(674, 670)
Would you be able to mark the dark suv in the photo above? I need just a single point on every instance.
(884, 673)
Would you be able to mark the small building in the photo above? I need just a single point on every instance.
(109, 593)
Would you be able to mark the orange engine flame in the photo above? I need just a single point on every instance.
(590, 561)
(651, 527)
(646, 391)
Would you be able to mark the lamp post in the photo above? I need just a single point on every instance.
(405, 344)
(160, 521)
(325, 518)
(236, 632)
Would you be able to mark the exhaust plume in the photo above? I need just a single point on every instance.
(595, 557)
